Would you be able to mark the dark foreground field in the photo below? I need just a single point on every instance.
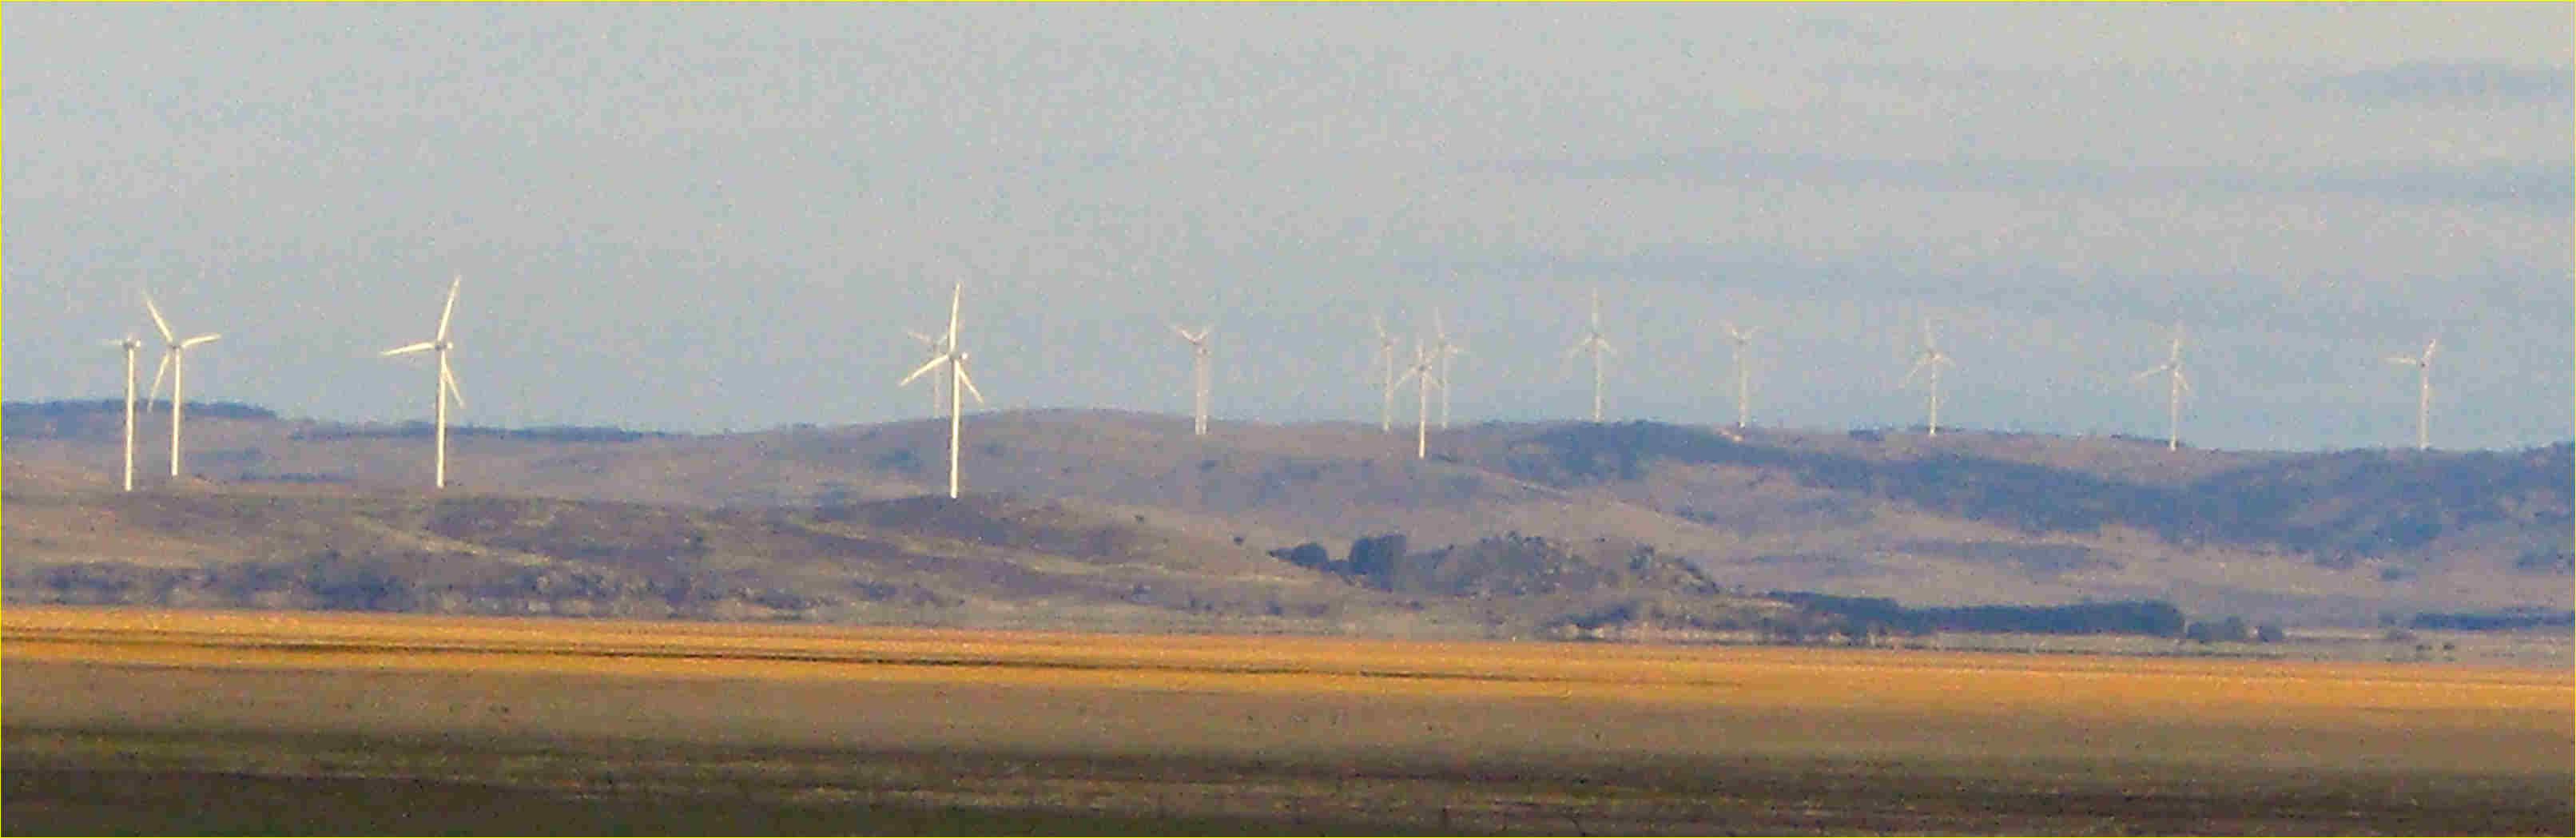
(356, 785)
(181, 723)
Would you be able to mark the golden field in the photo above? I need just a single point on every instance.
(2130, 728)
(2005, 690)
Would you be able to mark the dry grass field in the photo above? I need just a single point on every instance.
(802, 728)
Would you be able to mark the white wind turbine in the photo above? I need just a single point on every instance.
(2176, 385)
(2423, 365)
(1445, 350)
(937, 350)
(1600, 348)
(174, 362)
(1425, 374)
(1383, 363)
(958, 381)
(1931, 359)
(445, 386)
(1199, 365)
(1743, 379)
(129, 344)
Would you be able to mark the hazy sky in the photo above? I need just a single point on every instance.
(710, 217)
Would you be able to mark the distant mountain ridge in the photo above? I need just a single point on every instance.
(2384, 501)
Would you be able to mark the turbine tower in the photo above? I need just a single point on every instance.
(444, 388)
(1424, 374)
(173, 361)
(958, 381)
(1198, 366)
(1743, 380)
(129, 344)
(1441, 347)
(2423, 365)
(1931, 359)
(2176, 385)
(1600, 347)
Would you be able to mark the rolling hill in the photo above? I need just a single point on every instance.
(1077, 512)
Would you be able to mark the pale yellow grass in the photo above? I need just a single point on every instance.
(1751, 678)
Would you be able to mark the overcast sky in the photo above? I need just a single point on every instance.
(711, 217)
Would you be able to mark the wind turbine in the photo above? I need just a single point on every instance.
(174, 362)
(955, 360)
(1931, 359)
(938, 398)
(2176, 386)
(1743, 380)
(1600, 347)
(1198, 366)
(129, 344)
(445, 386)
(1425, 374)
(2423, 365)
(1441, 347)
(1384, 361)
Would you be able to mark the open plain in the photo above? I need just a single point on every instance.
(214, 721)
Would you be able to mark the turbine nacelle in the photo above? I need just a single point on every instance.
(2422, 360)
(1929, 361)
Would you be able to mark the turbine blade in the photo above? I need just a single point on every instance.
(2430, 347)
(2401, 359)
(2142, 374)
(968, 382)
(1920, 364)
(934, 364)
(447, 382)
(926, 339)
(164, 325)
(411, 348)
(164, 369)
(956, 299)
(205, 338)
(2183, 380)
(450, 310)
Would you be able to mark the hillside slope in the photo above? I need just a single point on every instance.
(982, 561)
(2324, 539)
